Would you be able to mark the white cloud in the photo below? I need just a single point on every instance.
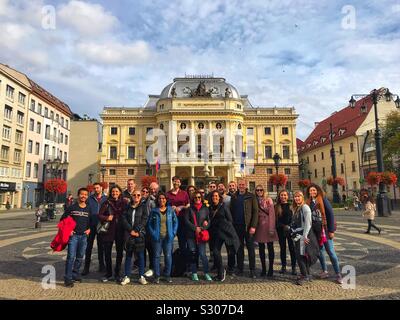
(114, 53)
(86, 18)
(279, 53)
(3, 7)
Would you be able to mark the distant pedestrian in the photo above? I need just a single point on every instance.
(370, 212)
(356, 202)
(69, 201)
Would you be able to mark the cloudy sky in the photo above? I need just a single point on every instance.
(308, 54)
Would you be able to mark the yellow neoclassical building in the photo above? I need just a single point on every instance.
(197, 126)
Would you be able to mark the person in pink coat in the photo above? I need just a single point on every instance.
(266, 230)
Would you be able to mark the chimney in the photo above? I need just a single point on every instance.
(316, 123)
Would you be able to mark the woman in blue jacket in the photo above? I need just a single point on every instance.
(162, 227)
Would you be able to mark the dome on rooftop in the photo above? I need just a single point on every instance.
(199, 87)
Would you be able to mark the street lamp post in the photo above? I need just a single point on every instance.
(302, 167)
(53, 167)
(277, 159)
(309, 173)
(336, 198)
(103, 171)
(90, 178)
(382, 201)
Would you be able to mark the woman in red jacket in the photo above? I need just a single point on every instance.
(111, 211)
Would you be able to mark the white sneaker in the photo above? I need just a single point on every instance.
(149, 273)
(324, 275)
(142, 280)
(125, 281)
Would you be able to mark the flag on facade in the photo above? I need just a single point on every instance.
(158, 165)
(242, 162)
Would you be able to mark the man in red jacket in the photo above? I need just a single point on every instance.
(77, 243)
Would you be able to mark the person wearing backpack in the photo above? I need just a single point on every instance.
(323, 224)
(196, 225)
(305, 242)
(162, 226)
(370, 212)
(134, 222)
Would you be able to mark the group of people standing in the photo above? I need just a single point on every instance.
(144, 223)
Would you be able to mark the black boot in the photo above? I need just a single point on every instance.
(271, 269)
(85, 271)
(294, 272)
(263, 269)
(283, 270)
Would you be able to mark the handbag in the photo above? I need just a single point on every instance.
(102, 227)
(203, 235)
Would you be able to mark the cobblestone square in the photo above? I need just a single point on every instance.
(25, 251)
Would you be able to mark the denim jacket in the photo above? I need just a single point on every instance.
(95, 206)
(154, 224)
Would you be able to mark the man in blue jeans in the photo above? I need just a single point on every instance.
(80, 212)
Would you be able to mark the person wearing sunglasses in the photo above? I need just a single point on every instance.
(134, 222)
(151, 204)
(196, 221)
(265, 231)
(145, 194)
(190, 191)
(202, 192)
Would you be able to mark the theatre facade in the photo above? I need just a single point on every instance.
(199, 126)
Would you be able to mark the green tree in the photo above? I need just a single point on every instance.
(391, 143)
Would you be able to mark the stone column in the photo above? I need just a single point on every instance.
(172, 141)
(228, 143)
(212, 173)
(170, 178)
(233, 140)
(192, 141)
(210, 137)
(191, 180)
